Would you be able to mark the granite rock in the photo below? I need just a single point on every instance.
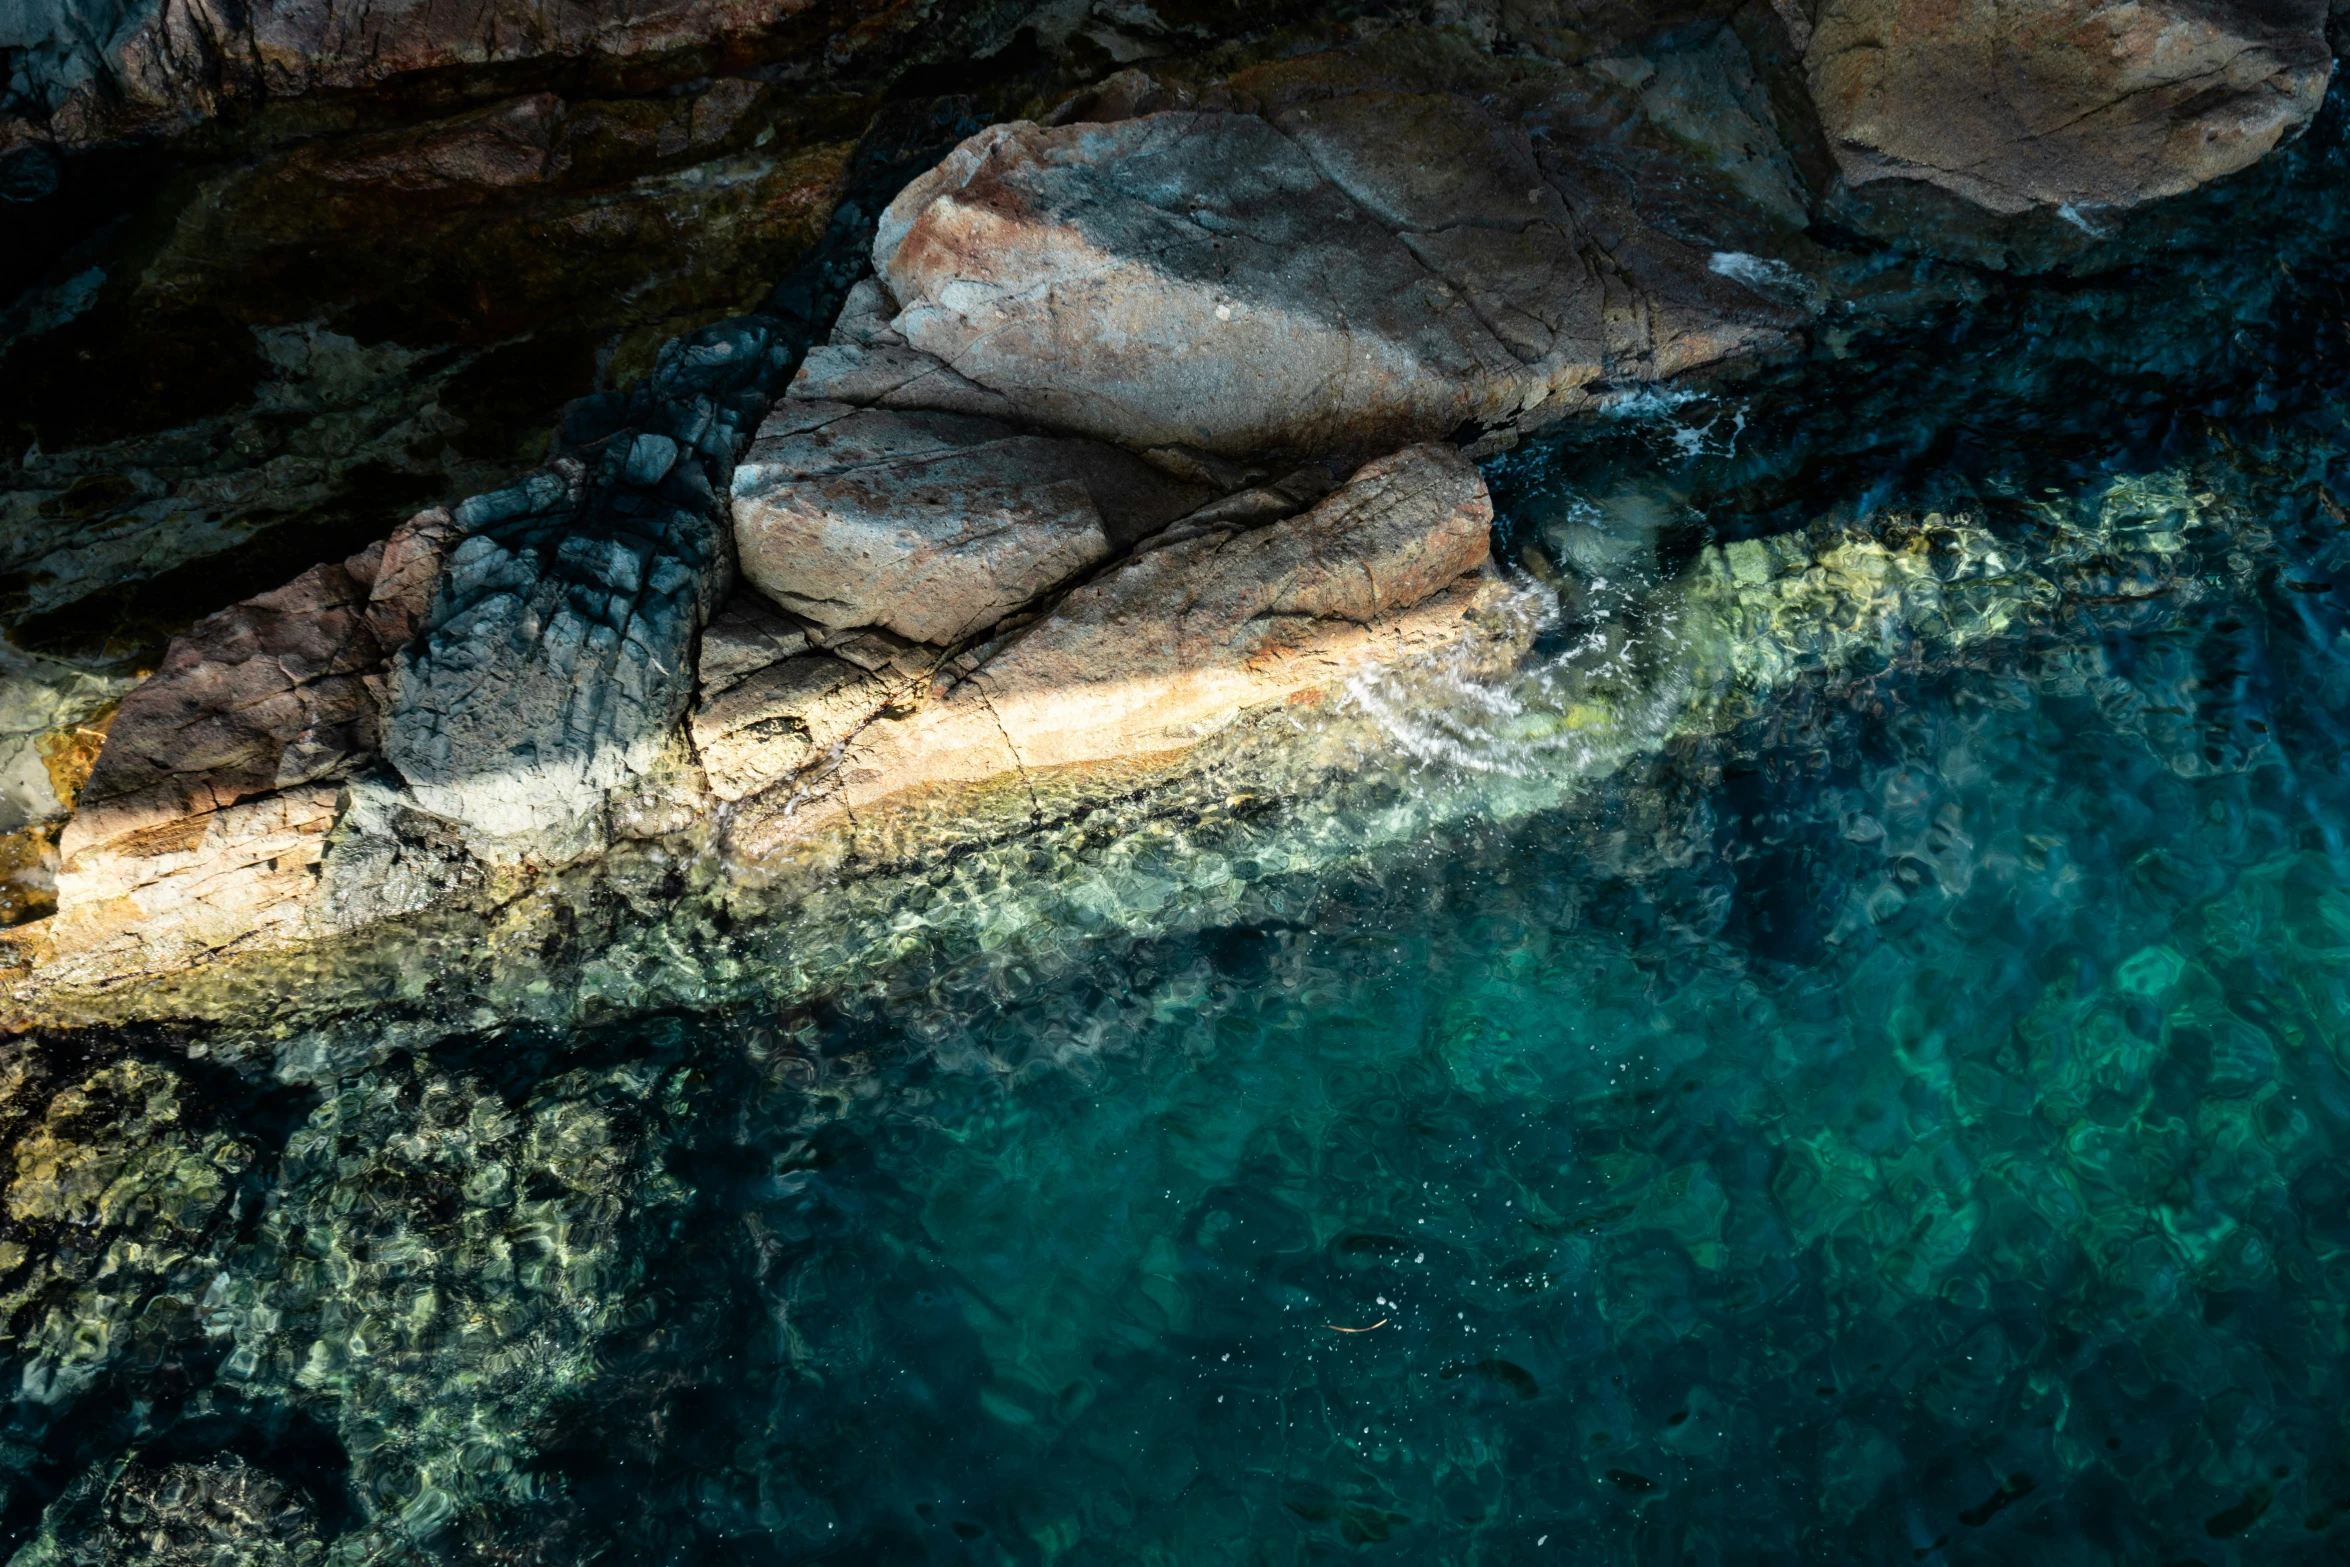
(934, 526)
(1346, 272)
(276, 692)
(1148, 660)
(2073, 104)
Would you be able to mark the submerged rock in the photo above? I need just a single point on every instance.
(123, 1203)
(2070, 105)
(221, 1512)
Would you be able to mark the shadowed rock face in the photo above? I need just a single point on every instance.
(2073, 103)
(117, 66)
(556, 662)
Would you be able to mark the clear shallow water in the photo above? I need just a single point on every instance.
(1909, 1125)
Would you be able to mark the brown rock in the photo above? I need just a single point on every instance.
(2064, 103)
(934, 526)
(1367, 269)
(1183, 279)
(167, 896)
(269, 694)
(1175, 645)
(186, 62)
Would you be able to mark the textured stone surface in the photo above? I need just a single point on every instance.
(53, 717)
(108, 68)
(556, 662)
(780, 720)
(1176, 644)
(314, 342)
(934, 526)
(206, 815)
(282, 690)
(1345, 272)
(2073, 103)
(120, 1208)
(223, 1512)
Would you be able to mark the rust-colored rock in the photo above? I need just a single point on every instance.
(277, 692)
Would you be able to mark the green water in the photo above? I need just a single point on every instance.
(1906, 1124)
(1944, 1154)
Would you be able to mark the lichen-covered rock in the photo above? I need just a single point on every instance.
(934, 526)
(2072, 104)
(1173, 646)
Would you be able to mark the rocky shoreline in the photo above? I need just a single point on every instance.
(1143, 419)
(1231, 450)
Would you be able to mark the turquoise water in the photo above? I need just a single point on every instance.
(1881, 1096)
(1908, 1126)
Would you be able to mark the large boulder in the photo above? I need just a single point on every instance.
(933, 526)
(1141, 665)
(1347, 274)
(2063, 103)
